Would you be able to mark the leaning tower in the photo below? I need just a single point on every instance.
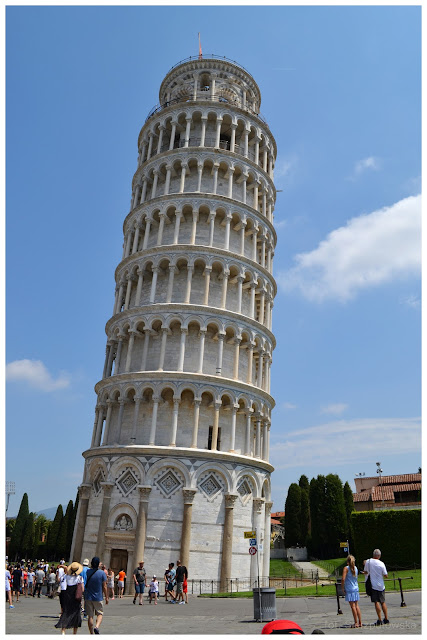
(178, 465)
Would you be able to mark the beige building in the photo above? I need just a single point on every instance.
(178, 465)
(388, 492)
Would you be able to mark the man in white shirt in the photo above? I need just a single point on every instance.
(377, 572)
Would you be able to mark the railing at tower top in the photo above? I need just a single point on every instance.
(202, 96)
(209, 56)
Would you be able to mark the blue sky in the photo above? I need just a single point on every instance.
(341, 91)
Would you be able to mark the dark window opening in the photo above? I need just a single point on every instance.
(218, 442)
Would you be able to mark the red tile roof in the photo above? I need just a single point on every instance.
(385, 492)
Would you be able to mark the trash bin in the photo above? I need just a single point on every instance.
(267, 611)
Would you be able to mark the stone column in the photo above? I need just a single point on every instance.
(128, 292)
(258, 438)
(197, 403)
(217, 407)
(178, 216)
(211, 221)
(130, 349)
(253, 286)
(155, 180)
(122, 402)
(248, 432)
(136, 238)
(103, 521)
(218, 132)
(108, 349)
(165, 332)
(233, 137)
(176, 403)
(137, 401)
(162, 217)
(183, 174)
(227, 541)
(245, 143)
(110, 404)
(207, 274)
(233, 428)
(146, 233)
(168, 180)
(187, 132)
(194, 227)
(237, 342)
(254, 244)
(80, 525)
(199, 176)
(186, 525)
(182, 349)
(150, 145)
(128, 240)
(173, 133)
(156, 401)
(230, 182)
(239, 293)
(147, 333)
(155, 271)
(215, 177)
(139, 287)
(189, 281)
(141, 530)
(221, 338)
(144, 190)
(159, 144)
(225, 276)
(201, 349)
(97, 441)
(203, 134)
(267, 538)
(169, 290)
(250, 363)
(242, 238)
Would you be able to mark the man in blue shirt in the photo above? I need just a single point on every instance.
(95, 589)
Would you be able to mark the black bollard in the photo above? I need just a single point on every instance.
(338, 589)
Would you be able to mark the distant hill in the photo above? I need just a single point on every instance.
(50, 512)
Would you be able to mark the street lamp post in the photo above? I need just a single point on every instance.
(379, 471)
(10, 491)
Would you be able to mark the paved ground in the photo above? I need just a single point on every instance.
(308, 568)
(217, 616)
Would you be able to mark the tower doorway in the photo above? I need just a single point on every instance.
(119, 562)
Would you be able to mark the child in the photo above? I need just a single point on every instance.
(185, 590)
(154, 589)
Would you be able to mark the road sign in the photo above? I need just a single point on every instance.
(249, 534)
(252, 551)
(260, 547)
(346, 549)
(252, 542)
(343, 544)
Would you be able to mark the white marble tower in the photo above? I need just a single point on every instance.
(178, 466)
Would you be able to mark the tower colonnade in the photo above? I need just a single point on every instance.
(178, 463)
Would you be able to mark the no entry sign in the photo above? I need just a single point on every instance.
(252, 551)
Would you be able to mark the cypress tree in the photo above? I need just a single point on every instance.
(27, 544)
(52, 537)
(349, 508)
(305, 509)
(317, 515)
(335, 515)
(293, 516)
(17, 536)
(69, 526)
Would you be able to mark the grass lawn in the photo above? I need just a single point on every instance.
(282, 568)
(331, 565)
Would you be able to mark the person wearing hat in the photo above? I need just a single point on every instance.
(95, 590)
(72, 591)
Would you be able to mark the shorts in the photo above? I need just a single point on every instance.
(8, 587)
(179, 587)
(93, 608)
(378, 596)
(140, 587)
(120, 584)
(169, 586)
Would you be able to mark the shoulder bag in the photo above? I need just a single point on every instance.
(368, 586)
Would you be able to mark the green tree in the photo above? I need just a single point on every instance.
(52, 538)
(305, 509)
(10, 525)
(27, 544)
(68, 525)
(317, 515)
(293, 516)
(335, 515)
(19, 528)
(349, 508)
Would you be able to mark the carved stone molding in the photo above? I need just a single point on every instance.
(258, 502)
(230, 499)
(189, 495)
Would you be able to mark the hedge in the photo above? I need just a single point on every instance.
(396, 533)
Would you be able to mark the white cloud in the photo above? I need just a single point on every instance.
(412, 301)
(335, 409)
(35, 374)
(371, 250)
(366, 164)
(359, 438)
(289, 405)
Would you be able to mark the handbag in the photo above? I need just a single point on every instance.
(79, 590)
(368, 585)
